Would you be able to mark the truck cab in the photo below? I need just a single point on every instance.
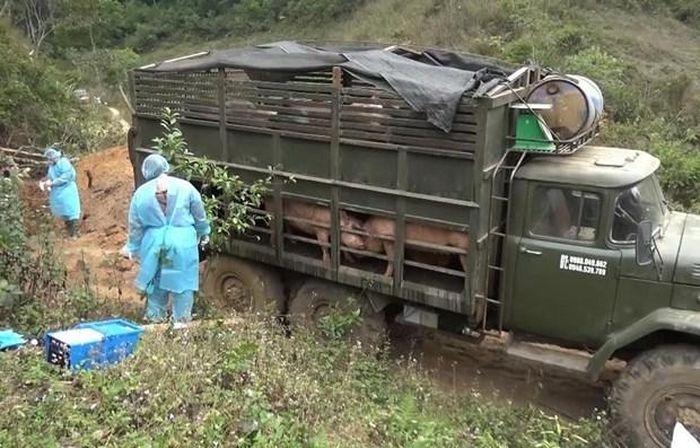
(598, 261)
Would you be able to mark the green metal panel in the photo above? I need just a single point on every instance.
(686, 297)
(563, 289)
(368, 166)
(203, 140)
(636, 298)
(440, 176)
(680, 321)
(305, 157)
(250, 148)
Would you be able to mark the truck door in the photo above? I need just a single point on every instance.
(565, 278)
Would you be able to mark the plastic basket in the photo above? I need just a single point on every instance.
(92, 344)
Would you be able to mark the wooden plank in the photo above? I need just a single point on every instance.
(335, 171)
(282, 102)
(190, 90)
(292, 86)
(292, 111)
(20, 152)
(405, 113)
(167, 84)
(400, 220)
(373, 92)
(410, 132)
(412, 149)
(422, 142)
(278, 223)
(281, 132)
(279, 125)
(398, 103)
(440, 269)
(422, 123)
(264, 93)
(223, 132)
(303, 239)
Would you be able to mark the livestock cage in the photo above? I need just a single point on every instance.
(339, 143)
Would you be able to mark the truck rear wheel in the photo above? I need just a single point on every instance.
(242, 285)
(316, 299)
(658, 388)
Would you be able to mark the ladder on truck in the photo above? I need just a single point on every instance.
(499, 215)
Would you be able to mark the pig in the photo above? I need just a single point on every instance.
(420, 233)
(321, 215)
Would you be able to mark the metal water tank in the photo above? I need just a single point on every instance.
(577, 104)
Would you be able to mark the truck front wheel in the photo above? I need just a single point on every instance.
(242, 285)
(316, 302)
(659, 388)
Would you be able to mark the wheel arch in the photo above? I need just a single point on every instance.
(662, 326)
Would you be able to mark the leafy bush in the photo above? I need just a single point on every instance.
(37, 106)
(227, 198)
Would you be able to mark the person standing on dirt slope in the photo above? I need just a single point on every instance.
(166, 223)
(63, 191)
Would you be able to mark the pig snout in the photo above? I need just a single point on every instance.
(348, 239)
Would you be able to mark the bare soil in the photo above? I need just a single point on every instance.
(105, 181)
(463, 367)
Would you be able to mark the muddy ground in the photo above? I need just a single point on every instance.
(106, 184)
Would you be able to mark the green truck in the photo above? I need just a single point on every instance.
(493, 225)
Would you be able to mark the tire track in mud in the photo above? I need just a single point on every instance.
(463, 367)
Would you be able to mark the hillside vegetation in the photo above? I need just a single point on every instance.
(643, 53)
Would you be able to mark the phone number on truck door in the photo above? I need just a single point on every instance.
(583, 265)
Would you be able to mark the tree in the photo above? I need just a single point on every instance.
(38, 18)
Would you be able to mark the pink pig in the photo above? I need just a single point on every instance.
(319, 218)
(420, 233)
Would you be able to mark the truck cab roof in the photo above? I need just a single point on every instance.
(595, 166)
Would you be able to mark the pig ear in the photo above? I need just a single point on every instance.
(343, 214)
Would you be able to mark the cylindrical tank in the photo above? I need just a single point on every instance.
(577, 104)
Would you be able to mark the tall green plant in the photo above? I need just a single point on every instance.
(228, 200)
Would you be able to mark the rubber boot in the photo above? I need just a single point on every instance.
(72, 227)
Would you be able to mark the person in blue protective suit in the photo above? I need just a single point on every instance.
(63, 191)
(167, 222)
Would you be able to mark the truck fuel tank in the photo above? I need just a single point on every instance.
(577, 104)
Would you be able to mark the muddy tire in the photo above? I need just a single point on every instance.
(315, 299)
(243, 286)
(658, 388)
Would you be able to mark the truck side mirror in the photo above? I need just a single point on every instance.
(644, 253)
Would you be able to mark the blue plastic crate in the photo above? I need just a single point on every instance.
(10, 340)
(120, 338)
(92, 344)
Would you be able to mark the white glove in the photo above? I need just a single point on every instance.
(203, 241)
(126, 253)
(45, 185)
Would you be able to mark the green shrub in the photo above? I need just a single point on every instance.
(253, 386)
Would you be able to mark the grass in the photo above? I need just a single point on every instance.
(252, 385)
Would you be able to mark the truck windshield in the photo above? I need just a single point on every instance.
(638, 203)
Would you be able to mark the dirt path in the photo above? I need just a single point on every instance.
(105, 180)
(460, 366)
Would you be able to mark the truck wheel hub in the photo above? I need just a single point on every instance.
(236, 294)
(671, 405)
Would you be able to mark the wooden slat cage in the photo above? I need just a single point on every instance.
(351, 147)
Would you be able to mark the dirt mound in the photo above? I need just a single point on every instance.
(106, 182)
